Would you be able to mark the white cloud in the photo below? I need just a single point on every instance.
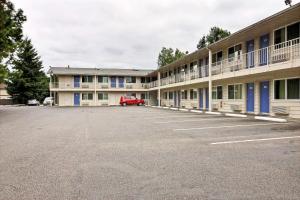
(129, 33)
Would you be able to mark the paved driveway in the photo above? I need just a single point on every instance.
(144, 153)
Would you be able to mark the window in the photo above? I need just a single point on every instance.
(293, 31)
(87, 79)
(235, 91)
(102, 79)
(144, 96)
(287, 33)
(217, 57)
(293, 88)
(279, 36)
(184, 94)
(165, 95)
(193, 94)
(87, 96)
(234, 51)
(131, 79)
(279, 89)
(217, 92)
(287, 89)
(102, 96)
(170, 95)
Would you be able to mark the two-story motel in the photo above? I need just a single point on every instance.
(255, 70)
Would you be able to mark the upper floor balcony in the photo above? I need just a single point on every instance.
(97, 86)
(265, 57)
(262, 59)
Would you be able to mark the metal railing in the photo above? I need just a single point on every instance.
(79, 85)
(283, 52)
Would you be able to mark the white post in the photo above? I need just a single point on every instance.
(158, 92)
(209, 81)
(50, 86)
(95, 91)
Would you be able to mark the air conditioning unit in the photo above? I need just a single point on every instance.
(104, 104)
(85, 86)
(85, 104)
(128, 86)
(280, 56)
(282, 110)
(215, 106)
(235, 107)
(104, 86)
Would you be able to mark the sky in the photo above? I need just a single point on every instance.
(130, 33)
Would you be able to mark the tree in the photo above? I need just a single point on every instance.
(167, 56)
(11, 21)
(215, 34)
(27, 80)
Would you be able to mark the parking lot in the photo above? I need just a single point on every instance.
(145, 153)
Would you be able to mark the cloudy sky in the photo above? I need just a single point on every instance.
(130, 33)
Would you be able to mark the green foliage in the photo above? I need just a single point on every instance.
(11, 21)
(168, 55)
(215, 34)
(27, 80)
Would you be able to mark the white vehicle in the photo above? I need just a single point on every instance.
(33, 102)
(48, 101)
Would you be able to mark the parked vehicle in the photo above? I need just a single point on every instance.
(33, 102)
(131, 101)
(48, 101)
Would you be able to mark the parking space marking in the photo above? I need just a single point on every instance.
(193, 120)
(232, 126)
(254, 140)
(172, 116)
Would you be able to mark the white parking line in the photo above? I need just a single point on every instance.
(218, 127)
(171, 116)
(255, 140)
(193, 120)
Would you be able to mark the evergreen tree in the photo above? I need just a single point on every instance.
(167, 56)
(27, 80)
(215, 34)
(11, 21)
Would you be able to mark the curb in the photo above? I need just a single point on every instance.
(183, 109)
(270, 119)
(196, 111)
(213, 113)
(235, 115)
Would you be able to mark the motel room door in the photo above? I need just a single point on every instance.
(76, 99)
(264, 97)
(250, 97)
(250, 54)
(264, 51)
(201, 98)
(206, 98)
(76, 81)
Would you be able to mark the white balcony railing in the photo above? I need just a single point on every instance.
(283, 52)
(99, 86)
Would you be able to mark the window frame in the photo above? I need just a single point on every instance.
(103, 79)
(131, 79)
(285, 31)
(234, 88)
(87, 76)
(215, 89)
(103, 95)
(286, 89)
(87, 93)
(234, 50)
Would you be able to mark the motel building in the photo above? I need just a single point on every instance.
(256, 70)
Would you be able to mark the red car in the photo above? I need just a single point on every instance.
(131, 101)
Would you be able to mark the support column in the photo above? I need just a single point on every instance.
(158, 91)
(95, 92)
(209, 81)
(50, 86)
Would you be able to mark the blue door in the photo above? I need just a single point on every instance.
(206, 98)
(121, 82)
(76, 81)
(113, 83)
(264, 51)
(250, 54)
(250, 97)
(76, 99)
(264, 97)
(201, 98)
